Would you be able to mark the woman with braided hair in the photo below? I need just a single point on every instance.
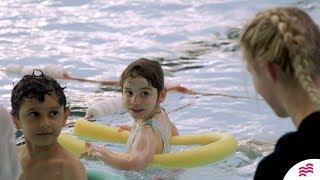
(281, 49)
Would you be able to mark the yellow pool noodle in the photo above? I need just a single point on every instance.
(99, 132)
(214, 146)
(71, 143)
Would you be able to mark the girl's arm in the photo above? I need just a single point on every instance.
(181, 89)
(174, 129)
(142, 152)
(124, 127)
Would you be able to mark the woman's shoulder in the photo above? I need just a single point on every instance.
(296, 143)
(287, 141)
(272, 166)
(277, 164)
(288, 151)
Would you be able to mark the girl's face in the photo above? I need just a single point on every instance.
(41, 122)
(140, 98)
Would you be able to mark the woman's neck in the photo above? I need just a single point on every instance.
(299, 106)
(298, 116)
(294, 99)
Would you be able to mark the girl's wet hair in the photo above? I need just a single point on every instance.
(148, 69)
(36, 85)
(289, 38)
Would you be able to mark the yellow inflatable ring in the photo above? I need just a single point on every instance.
(214, 146)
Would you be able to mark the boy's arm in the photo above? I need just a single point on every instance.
(74, 169)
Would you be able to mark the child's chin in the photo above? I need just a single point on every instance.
(47, 142)
(44, 144)
(136, 116)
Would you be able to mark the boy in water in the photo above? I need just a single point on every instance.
(39, 110)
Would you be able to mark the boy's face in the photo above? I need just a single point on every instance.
(140, 98)
(41, 122)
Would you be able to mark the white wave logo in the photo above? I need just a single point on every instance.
(305, 170)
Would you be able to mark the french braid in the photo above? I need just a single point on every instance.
(288, 37)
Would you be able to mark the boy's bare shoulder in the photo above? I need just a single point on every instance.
(73, 167)
(71, 159)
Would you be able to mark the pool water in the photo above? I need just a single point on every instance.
(196, 43)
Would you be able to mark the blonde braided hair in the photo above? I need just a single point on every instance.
(288, 37)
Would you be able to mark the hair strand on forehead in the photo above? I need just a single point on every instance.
(148, 69)
(36, 85)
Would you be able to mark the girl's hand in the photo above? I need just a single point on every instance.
(182, 89)
(70, 123)
(88, 117)
(124, 127)
(95, 152)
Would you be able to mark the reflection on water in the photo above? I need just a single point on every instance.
(190, 55)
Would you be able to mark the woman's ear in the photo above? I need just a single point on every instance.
(272, 71)
(163, 95)
(16, 121)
